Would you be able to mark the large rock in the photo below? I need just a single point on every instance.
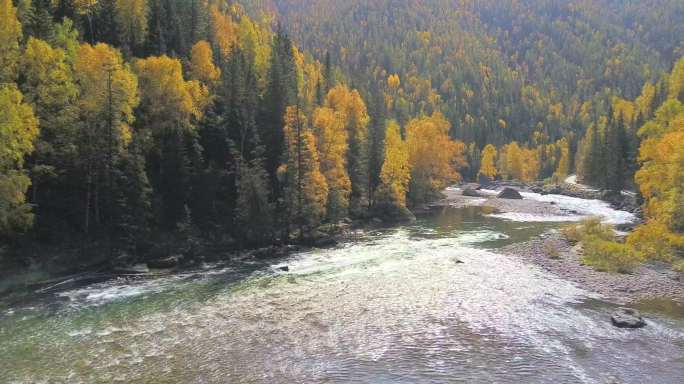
(510, 193)
(627, 318)
(470, 192)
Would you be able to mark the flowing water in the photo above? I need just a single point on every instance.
(428, 303)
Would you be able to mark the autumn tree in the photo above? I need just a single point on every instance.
(170, 105)
(306, 191)
(352, 110)
(201, 67)
(18, 131)
(488, 162)
(10, 35)
(224, 31)
(108, 96)
(432, 170)
(331, 137)
(563, 168)
(395, 175)
(49, 86)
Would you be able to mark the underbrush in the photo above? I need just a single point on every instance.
(600, 248)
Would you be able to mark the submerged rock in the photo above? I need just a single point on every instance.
(510, 193)
(627, 318)
(284, 268)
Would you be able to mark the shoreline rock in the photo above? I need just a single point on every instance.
(627, 318)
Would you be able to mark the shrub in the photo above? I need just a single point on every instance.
(591, 227)
(609, 256)
(653, 241)
(678, 266)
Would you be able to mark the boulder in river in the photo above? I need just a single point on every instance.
(510, 193)
(627, 318)
(470, 192)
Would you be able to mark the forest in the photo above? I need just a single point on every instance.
(126, 124)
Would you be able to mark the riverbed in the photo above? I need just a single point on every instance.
(437, 301)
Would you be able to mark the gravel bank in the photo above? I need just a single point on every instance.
(647, 282)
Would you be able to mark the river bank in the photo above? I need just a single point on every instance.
(555, 254)
(648, 281)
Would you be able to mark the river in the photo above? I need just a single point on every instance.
(432, 302)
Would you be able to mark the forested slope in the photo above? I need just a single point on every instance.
(135, 123)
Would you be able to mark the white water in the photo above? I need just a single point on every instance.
(578, 209)
(422, 304)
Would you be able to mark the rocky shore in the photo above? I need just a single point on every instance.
(554, 254)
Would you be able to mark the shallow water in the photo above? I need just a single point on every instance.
(428, 303)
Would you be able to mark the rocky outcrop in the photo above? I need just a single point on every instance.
(627, 318)
(510, 194)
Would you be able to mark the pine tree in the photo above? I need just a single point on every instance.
(255, 211)
(281, 92)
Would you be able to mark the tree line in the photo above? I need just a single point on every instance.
(135, 122)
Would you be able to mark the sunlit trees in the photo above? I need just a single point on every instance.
(170, 106)
(201, 65)
(224, 31)
(434, 158)
(352, 110)
(661, 179)
(18, 131)
(306, 191)
(395, 175)
(488, 162)
(563, 168)
(49, 86)
(108, 96)
(331, 136)
(10, 34)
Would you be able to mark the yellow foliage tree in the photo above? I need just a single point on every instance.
(393, 82)
(563, 168)
(95, 66)
(352, 110)
(169, 102)
(18, 132)
(530, 160)
(661, 177)
(201, 65)
(395, 175)
(488, 162)
(306, 191)
(331, 135)
(224, 31)
(10, 34)
(433, 156)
